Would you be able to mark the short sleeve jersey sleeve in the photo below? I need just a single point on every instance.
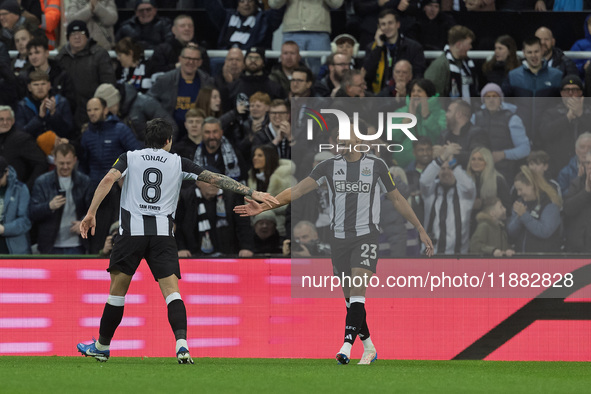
(190, 169)
(121, 163)
(384, 176)
(321, 172)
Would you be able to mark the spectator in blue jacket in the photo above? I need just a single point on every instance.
(533, 79)
(40, 111)
(583, 45)
(105, 139)
(59, 201)
(14, 216)
(574, 168)
(102, 143)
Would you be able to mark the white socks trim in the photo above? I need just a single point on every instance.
(367, 343)
(173, 296)
(346, 349)
(181, 343)
(116, 300)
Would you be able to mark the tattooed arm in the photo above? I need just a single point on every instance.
(251, 208)
(226, 183)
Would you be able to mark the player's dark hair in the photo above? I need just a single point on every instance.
(158, 132)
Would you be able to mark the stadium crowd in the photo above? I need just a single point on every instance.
(498, 167)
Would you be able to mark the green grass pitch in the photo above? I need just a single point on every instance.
(214, 375)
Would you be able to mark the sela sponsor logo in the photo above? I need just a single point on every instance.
(345, 123)
(352, 187)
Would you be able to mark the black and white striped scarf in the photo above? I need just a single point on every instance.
(464, 76)
(441, 240)
(239, 29)
(203, 223)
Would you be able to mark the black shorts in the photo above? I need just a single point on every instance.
(358, 252)
(160, 252)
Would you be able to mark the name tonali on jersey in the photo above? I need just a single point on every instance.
(354, 191)
(154, 158)
(151, 183)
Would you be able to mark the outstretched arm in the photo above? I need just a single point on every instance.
(402, 206)
(89, 221)
(251, 208)
(229, 184)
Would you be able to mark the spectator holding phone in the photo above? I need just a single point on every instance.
(249, 116)
(59, 201)
(389, 47)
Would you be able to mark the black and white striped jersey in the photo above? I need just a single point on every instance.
(151, 183)
(354, 192)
